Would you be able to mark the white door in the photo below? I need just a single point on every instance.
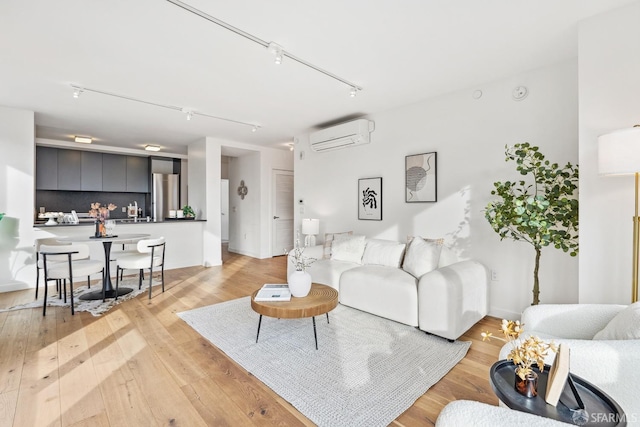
(224, 210)
(282, 208)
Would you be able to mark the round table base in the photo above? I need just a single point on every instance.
(109, 294)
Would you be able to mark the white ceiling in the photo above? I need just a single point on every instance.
(400, 52)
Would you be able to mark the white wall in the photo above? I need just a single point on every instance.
(469, 136)
(17, 259)
(609, 70)
(204, 195)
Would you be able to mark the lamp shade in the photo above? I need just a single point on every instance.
(619, 152)
(310, 226)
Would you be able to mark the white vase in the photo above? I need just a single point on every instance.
(299, 283)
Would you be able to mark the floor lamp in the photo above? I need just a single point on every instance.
(619, 154)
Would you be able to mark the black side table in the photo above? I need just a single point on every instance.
(601, 410)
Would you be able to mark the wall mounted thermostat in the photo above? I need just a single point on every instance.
(520, 93)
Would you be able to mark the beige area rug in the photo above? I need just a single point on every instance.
(366, 372)
(95, 307)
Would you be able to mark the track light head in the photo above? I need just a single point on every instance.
(77, 92)
(276, 50)
(189, 115)
(353, 92)
(255, 128)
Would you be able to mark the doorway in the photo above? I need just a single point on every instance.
(224, 210)
(282, 208)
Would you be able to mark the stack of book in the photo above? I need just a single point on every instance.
(273, 292)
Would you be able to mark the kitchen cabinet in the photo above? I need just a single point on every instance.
(137, 174)
(90, 171)
(114, 172)
(46, 168)
(69, 169)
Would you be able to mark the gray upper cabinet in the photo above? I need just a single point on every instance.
(69, 170)
(46, 168)
(137, 174)
(91, 171)
(114, 172)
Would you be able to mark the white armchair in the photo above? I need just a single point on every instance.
(611, 365)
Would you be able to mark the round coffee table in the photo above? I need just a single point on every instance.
(321, 300)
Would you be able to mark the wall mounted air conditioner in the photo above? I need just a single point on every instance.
(344, 135)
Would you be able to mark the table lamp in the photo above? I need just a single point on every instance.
(619, 154)
(310, 227)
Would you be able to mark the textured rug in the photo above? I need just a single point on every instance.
(95, 307)
(366, 372)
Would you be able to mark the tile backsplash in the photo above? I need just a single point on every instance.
(80, 201)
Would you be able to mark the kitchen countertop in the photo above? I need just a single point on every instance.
(118, 222)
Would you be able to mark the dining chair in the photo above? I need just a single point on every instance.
(61, 263)
(129, 247)
(49, 241)
(150, 254)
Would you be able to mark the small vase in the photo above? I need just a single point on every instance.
(299, 283)
(529, 386)
(97, 232)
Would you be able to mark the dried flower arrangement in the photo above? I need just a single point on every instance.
(297, 258)
(525, 352)
(101, 213)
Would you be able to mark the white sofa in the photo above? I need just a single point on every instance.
(446, 301)
(613, 365)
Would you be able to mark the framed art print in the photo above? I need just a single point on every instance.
(370, 199)
(420, 178)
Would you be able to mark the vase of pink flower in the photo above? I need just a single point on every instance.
(101, 214)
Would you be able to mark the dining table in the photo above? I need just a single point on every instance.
(107, 241)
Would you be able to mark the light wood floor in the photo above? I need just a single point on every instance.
(140, 365)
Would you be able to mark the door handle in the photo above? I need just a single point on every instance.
(276, 217)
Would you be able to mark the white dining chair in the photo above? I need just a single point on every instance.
(150, 255)
(63, 263)
(49, 241)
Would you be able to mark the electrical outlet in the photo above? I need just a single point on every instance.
(494, 275)
(124, 209)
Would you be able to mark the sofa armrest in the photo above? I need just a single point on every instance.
(578, 321)
(451, 299)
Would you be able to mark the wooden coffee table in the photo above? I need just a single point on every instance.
(321, 300)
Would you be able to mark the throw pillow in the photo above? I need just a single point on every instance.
(421, 257)
(438, 241)
(383, 252)
(624, 326)
(328, 240)
(349, 248)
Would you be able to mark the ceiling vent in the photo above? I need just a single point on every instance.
(344, 135)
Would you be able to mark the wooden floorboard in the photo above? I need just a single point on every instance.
(140, 364)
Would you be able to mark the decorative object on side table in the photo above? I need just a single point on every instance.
(421, 184)
(525, 353)
(299, 281)
(101, 214)
(370, 199)
(543, 212)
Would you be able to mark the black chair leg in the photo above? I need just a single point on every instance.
(162, 277)
(71, 295)
(38, 280)
(140, 279)
(117, 284)
(89, 282)
(150, 278)
(44, 305)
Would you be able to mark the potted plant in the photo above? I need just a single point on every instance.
(188, 212)
(541, 210)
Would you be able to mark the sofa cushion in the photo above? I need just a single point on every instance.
(421, 257)
(387, 292)
(348, 248)
(328, 272)
(328, 241)
(383, 252)
(624, 326)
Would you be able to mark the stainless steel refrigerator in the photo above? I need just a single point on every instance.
(165, 195)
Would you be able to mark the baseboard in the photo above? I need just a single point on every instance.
(13, 286)
(241, 252)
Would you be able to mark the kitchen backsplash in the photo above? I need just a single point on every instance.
(80, 201)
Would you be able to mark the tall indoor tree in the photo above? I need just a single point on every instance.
(541, 209)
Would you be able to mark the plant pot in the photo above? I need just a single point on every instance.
(528, 387)
(299, 283)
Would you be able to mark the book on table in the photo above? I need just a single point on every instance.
(273, 292)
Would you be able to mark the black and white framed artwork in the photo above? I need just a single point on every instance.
(370, 199)
(420, 178)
